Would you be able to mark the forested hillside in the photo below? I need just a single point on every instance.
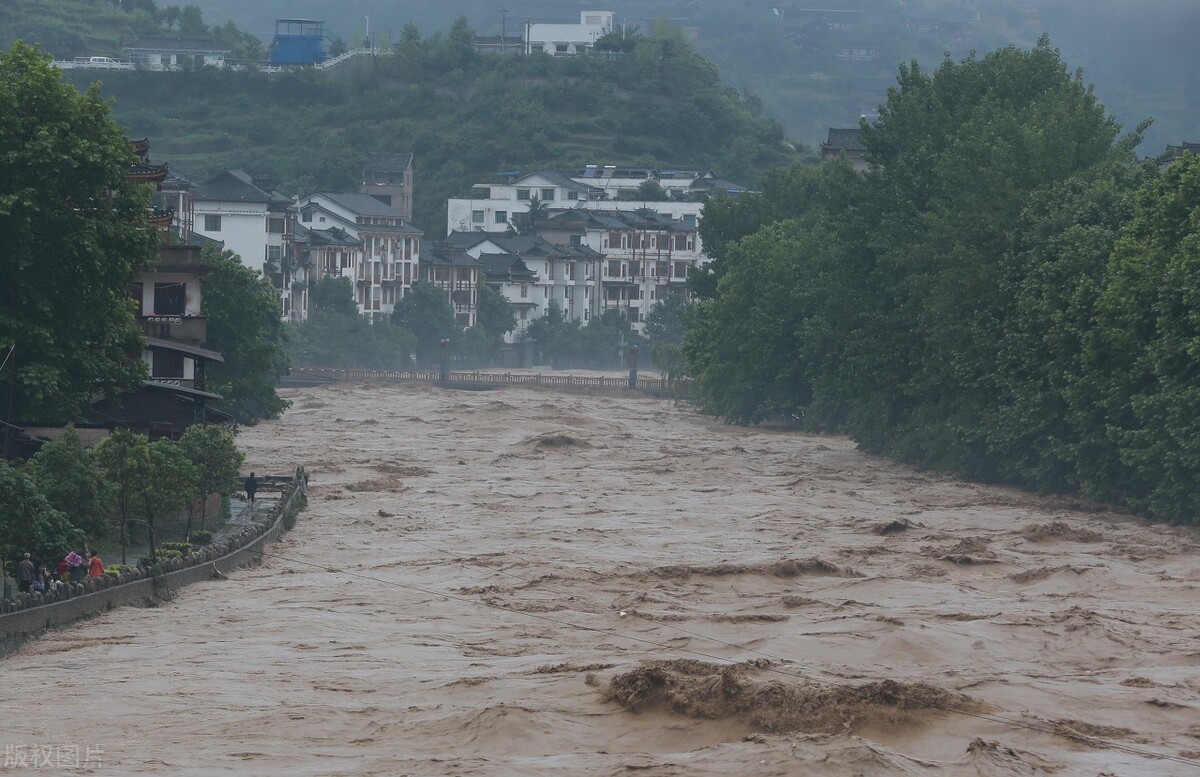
(1007, 295)
(465, 116)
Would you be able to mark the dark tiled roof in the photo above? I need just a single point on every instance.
(502, 268)
(334, 236)
(236, 186)
(387, 163)
(177, 44)
(845, 139)
(362, 204)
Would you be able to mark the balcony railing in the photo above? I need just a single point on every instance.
(188, 329)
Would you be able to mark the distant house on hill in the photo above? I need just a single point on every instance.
(499, 44)
(170, 53)
(562, 40)
(845, 144)
(1172, 153)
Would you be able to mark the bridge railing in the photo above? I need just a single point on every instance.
(682, 388)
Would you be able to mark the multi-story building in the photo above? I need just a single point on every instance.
(532, 273)
(389, 179)
(458, 274)
(677, 193)
(315, 254)
(644, 256)
(248, 216)
(387, 263)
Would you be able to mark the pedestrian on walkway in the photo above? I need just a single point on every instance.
(251, 488)
(25, 571)
(95, 565)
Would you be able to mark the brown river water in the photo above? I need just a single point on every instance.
(524, 582)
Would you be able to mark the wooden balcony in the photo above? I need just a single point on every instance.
(187, 329)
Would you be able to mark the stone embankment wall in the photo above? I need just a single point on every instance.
(29, 614)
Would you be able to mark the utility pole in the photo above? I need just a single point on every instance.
(503, 30)
(368, 41)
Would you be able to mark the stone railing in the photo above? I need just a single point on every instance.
(29, 614)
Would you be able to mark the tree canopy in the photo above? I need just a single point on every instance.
(75, 238)
(1005, 294)
(243, 324)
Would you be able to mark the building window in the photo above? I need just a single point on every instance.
(274, 253)
(306, 216)
(501, 217)
(275, 226)
(571, 270)
(167, 364)
(522, 194)
(681, 269)
(476, 217)
(547, 195)
(212, 223)
(635, 269)
(577, 240)
(169, 299)
(689, 220)
(664, 269)
(680, 242)
(524, 295)
(614, 268)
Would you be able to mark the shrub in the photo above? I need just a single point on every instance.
(116, 569)
(183, 547)
(201, 537)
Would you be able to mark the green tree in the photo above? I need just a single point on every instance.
(168, 486)
(338, 47)
(335, 335)
(214, 453)
(244, 325)
(670, 319)
(124, 458)
(411, 51)
(69, 477)
(29, 523)
(75, 238)
(426, 312)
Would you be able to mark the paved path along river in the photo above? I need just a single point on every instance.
(481, 577)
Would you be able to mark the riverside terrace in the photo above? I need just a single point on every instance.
(28, 615)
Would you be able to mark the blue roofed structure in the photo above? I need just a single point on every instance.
(298, 42)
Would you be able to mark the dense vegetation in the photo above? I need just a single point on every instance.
(1006, 294)
(75, 238)
(465, 116)
(68, 496)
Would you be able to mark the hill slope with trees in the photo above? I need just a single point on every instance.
(465, 116)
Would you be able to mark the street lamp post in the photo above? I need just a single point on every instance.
(633, 352)
(444, 372)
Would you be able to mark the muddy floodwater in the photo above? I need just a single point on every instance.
(523, 582)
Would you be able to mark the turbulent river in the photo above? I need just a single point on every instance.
(520, 582)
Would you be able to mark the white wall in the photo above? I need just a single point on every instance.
(243, 229)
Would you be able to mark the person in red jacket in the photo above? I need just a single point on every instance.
(95, 565)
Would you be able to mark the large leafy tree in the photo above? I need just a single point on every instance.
(124, 458)
(217, 460)
(75, 237)
(29, 523)
(335, 335)
(426, 313)
(168, 486)
(67, 474)
(244, 325)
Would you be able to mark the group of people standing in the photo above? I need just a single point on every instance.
(40, 579)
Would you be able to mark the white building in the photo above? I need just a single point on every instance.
(568, 39)
(247, 215)
(597, 188)
(532, 273)
(172, 53)
(387, 264)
